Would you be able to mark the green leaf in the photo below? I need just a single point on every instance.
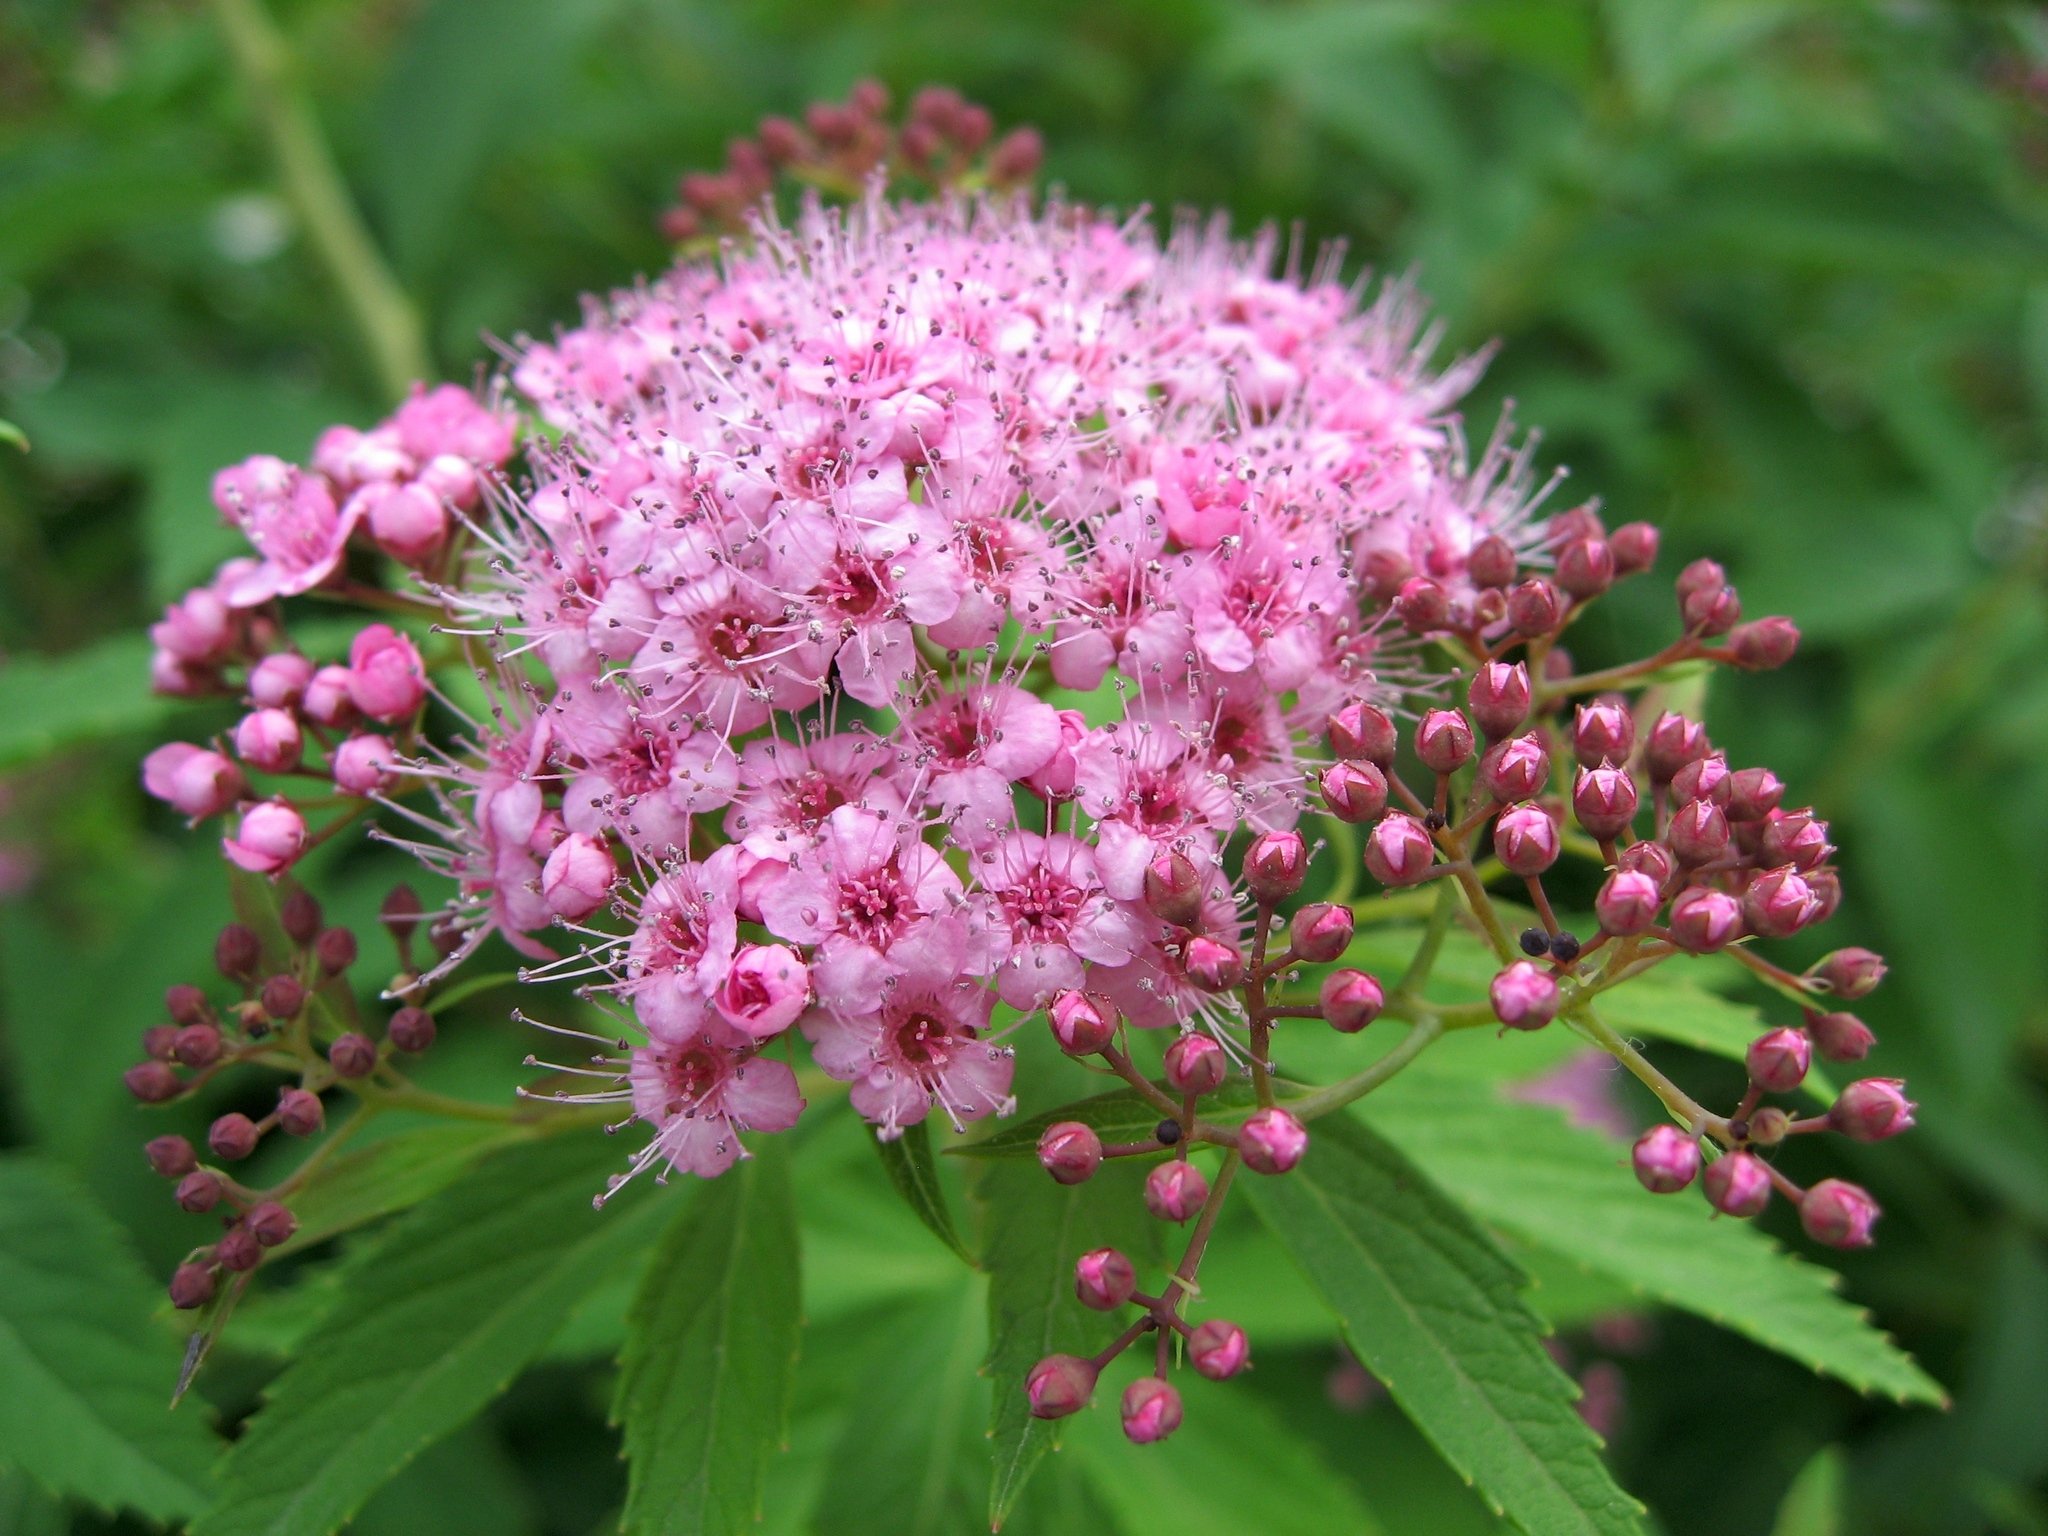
(13, 435)
(915, 1173)
(1124, 1115)
(1673, 1003)
(1813, 1504)
(453, 1302)
(1524, 1169)
(391, 1175)
(1432, 1308)
(710, 1359)
(84, 1374)
(47, 702)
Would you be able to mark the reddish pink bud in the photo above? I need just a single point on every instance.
(1795, 838)
(270, 1223)
(1526, 840)
(269, 741)
(282, 997)
(1535, 608)
(199, 1191)
(187, 1004)
(1082, 1022)
(1604, 800)
(1385, 572)
(1634, 546)
(1492, 562)
(1580, 522)
(1778, 1060)
(1524, 996)
(1354, 792)
(1499, 698)
(1778, 904)
(1195, 1063)
(1173, 889)
(1840, 1036)
(364, 765)
(299, 1113)
(327, 700)
(238, 1252)
(299, 917)
(765, 992)
(152, 1082)
(1271, 1141)
(1652, 859)
(1704, 920)
(1070, 1152)
(1514, 770)
(1275, 865)
(1602, 733)
(1627, 904)
(160, 1042)
(171, 1156)
(1175, 1191)
(1104, 1279)
(1838, 1214)
(1059, 1385)
(1872, 1108)
(1212, 965)
(232, 1137)
(1700, 576)
(199, 628)
(1443, 741)
(1320, 932)
(271, 838)
(1665, 1159)
(1737, 1184)
(353, 1055)
(1850, 973)
(279, 681)
(192, 1286)
(386, 679)
(198, 1045)
(1362, 733)
(198, 783)
(1764, 644)
(1585, 568)
(1219, 1349)
(408, 523)
(1423, 607)
(1151, 1410)
(1704, 778)
(1698, 833)
(1673, 742)
(1711, 612)
(1351, 1000)
(411, 1030)
(334, 951)
(1753, 793)
(1399, 851)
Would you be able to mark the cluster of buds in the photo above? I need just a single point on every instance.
(944, 143)
(297, 1015)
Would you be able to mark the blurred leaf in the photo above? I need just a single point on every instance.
(10, 433)
(391, 1175)
(26, 1509)
(1672, 1003)
(47, 702)
(710, 1358)
(1813, 1504)
(464, 1486)
(1432, 1308)
(443, 1313)
(908, 1158)
(84, 1374)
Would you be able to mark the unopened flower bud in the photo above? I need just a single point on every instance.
(1778, 1060)
(766, 990)
(1634, 547)
(1602, 733)
(1524, 996)
(270, 838)
(1737, 1184)
(1055, 779)
(1753, 793)
(1499, 698)
(198, 1045)
(1526, 840)
(411, 1030)
(1363, 733)
(1082, 1022)
(1872, 1108)
(1271, 1141)
(1795, 838)
(1351, 1000)
(1778, 904)
(1535, 608)
(1700, 576)
(299, 1113)
(1711, 612)
(1767, 1126)
(279, 681)
(1195, 1063)
(365, 764)
(1665, 1159)
(334, 951)
(1320, 932)
(233, 1137)
(1673, 742)
(1059, 1385)
(299, 916)
(408, 523)
(1492, 562)
(1219, 1349)
(1104, 1279)
(386, 679)
(199, 1191)
(270, 1223)
(1399, 851)
(282, 997)
(1212, 965)
(237, 952)
(1070, 1152)
(326, 702)
(152, 1082)
(1764, 644)
(160, 1042)
(1840, 1036)
(1698, 833)
(353, 1055)
(1604, 800)
(1423, 607)
(1850, 973)
(238, 1252)
(1839, 1214)
(1443, 741)
(579, 876)
(192, 1286)
(1275, 865)
(1704, 920)
(1175, 1191)
(1585, 568)
(1652, 859)
(1514, 770)
(1627, 904)
(1151, 1410)
(1354, 792)
(194, 781)
(269, 740)
(1704, 778)
(171, 1156)
(1173, 889)
(186, 1004)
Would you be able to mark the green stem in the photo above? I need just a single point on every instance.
(1417, 975)
(1683, 1108)
(343, 1135)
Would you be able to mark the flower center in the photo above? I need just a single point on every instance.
(872, 907)
(1042, 906)
(924, 1042)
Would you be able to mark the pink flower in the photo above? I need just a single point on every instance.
(972, 746)
(291, 518)
(1149, 793)
(683, 944)
(765, 992)
(1057, 915)
(364, 765)
(789, 788)
(447, 419)
(700, 1093)
(578, 876)
(386, 679)
(198, 782)
(271, 838)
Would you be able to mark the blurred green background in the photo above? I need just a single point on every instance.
(1773, 275)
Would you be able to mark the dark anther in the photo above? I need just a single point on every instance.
(1564, 948)
(1434, 820)
(1168, 1132)
(1739, 1129)
(1535, 942)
